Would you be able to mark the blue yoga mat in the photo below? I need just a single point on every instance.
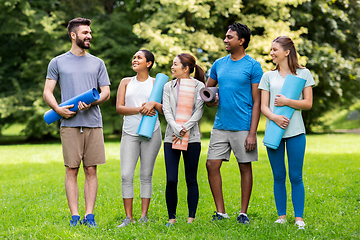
(147, 123)
(292, 89)
(87, 97)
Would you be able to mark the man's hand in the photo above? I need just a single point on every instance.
(65, 112)
(250, 142)
(83, 106)
(214, 103)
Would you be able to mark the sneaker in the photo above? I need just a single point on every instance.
(75, 219)
(281, 221)
(300, 224)
(89, 220)
(219, 216)
(126, 222)
(144, 219)
(169, 224)
(243, 218)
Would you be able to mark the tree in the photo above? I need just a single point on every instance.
(332, 48)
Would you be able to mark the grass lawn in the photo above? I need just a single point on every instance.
(33, 204)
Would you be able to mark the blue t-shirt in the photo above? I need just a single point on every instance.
(78, 74)
(235, 79)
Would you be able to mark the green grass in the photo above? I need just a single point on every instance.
(33, 204)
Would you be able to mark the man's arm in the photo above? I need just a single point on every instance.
(104, 96)
(250, 142)
(49, 98)
(212, 83)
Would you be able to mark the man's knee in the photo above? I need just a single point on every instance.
(90, 171)
(213, 165)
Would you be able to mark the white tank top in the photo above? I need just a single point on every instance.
(136, 94)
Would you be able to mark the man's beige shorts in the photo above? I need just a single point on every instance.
(222, 142)
(86, 144)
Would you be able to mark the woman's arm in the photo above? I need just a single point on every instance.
(280, 120)
(304, 104)
(120, 100)
(168, 112)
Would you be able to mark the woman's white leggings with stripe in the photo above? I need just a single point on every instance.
(131, 148)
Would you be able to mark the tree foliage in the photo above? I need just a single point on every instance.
(33, 32)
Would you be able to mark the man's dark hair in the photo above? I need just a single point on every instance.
(242, 31)
(75, 23)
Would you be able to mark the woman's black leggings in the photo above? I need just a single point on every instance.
(191, 162)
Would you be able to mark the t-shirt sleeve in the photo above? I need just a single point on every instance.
(213, 73)
(52, 71)
(103, 77)
(265, 82)
(309, 78)
(257, 73)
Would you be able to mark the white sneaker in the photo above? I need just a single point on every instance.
(281, 221)
(224, 215)
(300, 224)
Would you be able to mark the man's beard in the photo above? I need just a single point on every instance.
(81, 43)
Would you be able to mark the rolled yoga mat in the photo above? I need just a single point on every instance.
(208, 94)
(147, 123)
(292, 89)
(184, 109)
(87, 97)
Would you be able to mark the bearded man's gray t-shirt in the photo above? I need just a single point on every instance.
(78, 74)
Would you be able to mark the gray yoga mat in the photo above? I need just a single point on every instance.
(208, 94)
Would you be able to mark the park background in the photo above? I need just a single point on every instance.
(326, 33)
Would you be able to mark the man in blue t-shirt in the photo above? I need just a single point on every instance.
(81, 132)
(238, 112)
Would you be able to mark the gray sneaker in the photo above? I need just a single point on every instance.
(126, 222)
(144, 219)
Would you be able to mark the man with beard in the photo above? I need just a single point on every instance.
(238, 76)
(81, 132)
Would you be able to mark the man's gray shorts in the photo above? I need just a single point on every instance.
(222, 142)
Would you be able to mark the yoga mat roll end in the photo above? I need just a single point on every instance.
(208, 94)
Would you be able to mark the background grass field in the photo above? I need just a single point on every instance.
(33, 203)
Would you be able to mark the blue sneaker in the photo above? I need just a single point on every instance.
(89, 220)
(75, 219)
(219, 216)
(243, 218)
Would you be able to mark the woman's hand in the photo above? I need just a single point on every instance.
(281, 100)
(183, 131)
(176, 139)
(281, 121)
(148, 109)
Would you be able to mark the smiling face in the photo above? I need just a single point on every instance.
(139, 62)
(83, 36)
(232, 41)
(178, 70)
(278, 54)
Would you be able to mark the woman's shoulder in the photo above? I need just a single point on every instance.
(270, 73)
(126, 80)
(303, 71)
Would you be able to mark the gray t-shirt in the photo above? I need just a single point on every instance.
(78, 74)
